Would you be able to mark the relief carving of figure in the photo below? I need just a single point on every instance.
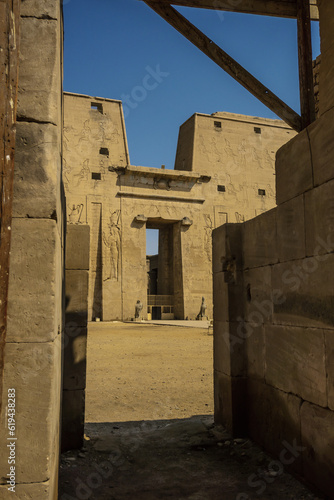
(113, 242)
(239, 217)
(84, 172)
(75, 213)
(208, 236)
(202, 312)
(86, 133)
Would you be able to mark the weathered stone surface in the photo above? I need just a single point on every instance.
(230, 403)
(76, 298)
(44, 9)
(28, 492)
(295, 362)
(327, 50)
(226, 243)
(255, 352)
(34, 370)
(77, 247)
(75, 356)
(273, 421)
(228, 349)
(317, 430)
(228, 297)
(329, 340)
(260, 240)
(306, 292)
(293, 168)
(37, 171)
(258, 295)
(319, 218)
(39, 97)
(73, 420)
(35, 280)
(291, 229)
(321, 137)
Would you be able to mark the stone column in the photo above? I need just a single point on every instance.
(35, 313)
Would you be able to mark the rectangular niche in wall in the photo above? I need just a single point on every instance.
(96, 106)
(104, 151)
(96, 176)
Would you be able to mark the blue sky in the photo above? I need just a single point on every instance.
(113, 47)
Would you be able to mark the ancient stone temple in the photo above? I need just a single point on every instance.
(224, 172)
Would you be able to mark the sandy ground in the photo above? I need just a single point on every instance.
(150, 433)
(146, 372)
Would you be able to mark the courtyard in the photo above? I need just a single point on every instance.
(149, 431)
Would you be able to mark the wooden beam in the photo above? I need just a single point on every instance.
(9, 60)
(228, 64)
(277, 8)
(306, 82)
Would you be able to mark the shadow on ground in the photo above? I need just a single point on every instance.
(176, 459)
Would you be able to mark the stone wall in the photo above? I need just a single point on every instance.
(75, 337)
(35, 313)
(273, 303)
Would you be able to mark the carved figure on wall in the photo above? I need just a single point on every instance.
(75, 214)
(138, 309)
(113, 242)
(66, 172)
(202, 313)
(84, 172)
(239, 217)
(208, 236)
(86, 132)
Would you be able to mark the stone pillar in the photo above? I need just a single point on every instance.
(178, 272)
(75, 338)
(229, 344)
(326, 88)
(35, 313)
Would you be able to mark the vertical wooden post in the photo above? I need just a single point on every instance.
(307, 99)
(9, 60)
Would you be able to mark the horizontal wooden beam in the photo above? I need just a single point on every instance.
(277, 8)
(232, 67)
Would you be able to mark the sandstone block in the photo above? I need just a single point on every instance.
(317, 429)
(76, 298)
(327, 51)
(77, 247)
(228, 297)
(34, 281)
(226, 241)
(39, 92)
(319, 214)
(73, 420)
(280, 417)
(258, 295)
(296, 363)
(37, 171)
(44, 9)
(306, 292)
(28, 492)
(291, 229)
(255, 352)
(230, 403)
(34, 370)
(228, 349)
(260, 240)
(293, 168)
(321, 134)
(329, 339)
(75, 357)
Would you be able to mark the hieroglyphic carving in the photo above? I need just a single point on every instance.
(208, 235)
(86, 133)
(239, 217)
(75, 213)
(84, 172)
(113, 242)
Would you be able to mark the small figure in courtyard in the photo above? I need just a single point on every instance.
(202, 313)
(139, 308)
